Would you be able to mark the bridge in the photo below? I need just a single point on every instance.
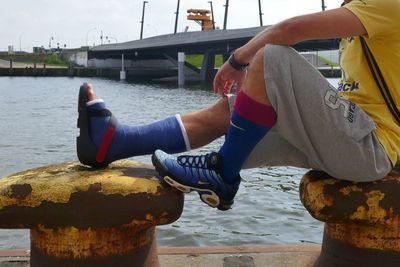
(157, 56)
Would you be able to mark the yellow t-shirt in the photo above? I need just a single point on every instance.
(381, 19)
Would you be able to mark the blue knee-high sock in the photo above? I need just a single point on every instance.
(250, 122)
(167, 134)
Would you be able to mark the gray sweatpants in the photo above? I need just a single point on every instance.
(316, 128)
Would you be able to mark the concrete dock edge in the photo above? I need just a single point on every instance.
(221, 256)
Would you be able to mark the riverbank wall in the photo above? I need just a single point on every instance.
(113, 73)
(59, 72)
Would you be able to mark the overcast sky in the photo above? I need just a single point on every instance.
(28, 23)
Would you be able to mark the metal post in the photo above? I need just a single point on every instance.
(181, 68)
(141, 29)
(176, 17)
(119, 230)
(226, 13)
(259, 7)
(20, 42)
(212, 14)
(323, 5)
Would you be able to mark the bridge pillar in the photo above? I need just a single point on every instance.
(181, 68)
(122, 74)
(11, 67)
(207, 70)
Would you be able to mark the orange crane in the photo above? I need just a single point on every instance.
(202, 17)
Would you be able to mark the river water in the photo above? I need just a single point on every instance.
(38, 127)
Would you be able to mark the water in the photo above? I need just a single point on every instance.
(38, 127)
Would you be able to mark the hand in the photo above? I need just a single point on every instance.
(226, 77)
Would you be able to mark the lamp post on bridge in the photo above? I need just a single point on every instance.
(51, 38)
(142, 22)
(176, 17)
(261, 14)
(226, 13)
(212, 14)
(20, 42)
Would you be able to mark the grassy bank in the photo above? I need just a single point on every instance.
(50, 59)
(197, 60)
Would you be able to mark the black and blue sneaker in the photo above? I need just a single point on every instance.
(198, 173)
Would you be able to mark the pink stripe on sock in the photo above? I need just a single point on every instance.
(253, 111)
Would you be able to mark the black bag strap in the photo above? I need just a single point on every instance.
(379, 80)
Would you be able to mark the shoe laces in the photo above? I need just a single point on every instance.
(205, 167)
(199, 162)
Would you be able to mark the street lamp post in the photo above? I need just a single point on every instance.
(51, 38)
(20, 42)
(226, 13)
(212, 14)
(176, 16)
(323, 5)
(261, 14)
(141, 28)
(87, 34)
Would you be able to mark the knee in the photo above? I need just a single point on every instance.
(255, 72)
(256, 64)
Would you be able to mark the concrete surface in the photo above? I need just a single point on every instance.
(243, 256)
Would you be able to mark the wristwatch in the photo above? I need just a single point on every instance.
(236, 65)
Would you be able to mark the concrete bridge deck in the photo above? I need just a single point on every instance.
(218, 41)
(161, 52)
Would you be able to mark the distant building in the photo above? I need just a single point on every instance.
(39, 50)
(76, 57)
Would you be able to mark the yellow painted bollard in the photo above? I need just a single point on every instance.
(362, 220)
(78, 216)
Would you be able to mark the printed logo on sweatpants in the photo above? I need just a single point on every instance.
(334, 101)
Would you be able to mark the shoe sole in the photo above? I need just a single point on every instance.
(86, 149)
(208, 196)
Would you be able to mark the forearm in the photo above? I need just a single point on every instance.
(279, 34)
(334, 23)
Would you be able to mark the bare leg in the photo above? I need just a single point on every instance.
(208, 124)
(254, 85)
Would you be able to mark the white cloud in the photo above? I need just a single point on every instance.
(33, 23)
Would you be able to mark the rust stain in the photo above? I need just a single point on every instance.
(379, 236)
(346, 190)
(72, 195)
(70, 242)
(314, 197)
(20, 191)
(55, 183)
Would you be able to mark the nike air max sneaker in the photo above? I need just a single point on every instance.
(198, 173)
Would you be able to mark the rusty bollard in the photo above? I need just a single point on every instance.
(362, 220)
(78, 216)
